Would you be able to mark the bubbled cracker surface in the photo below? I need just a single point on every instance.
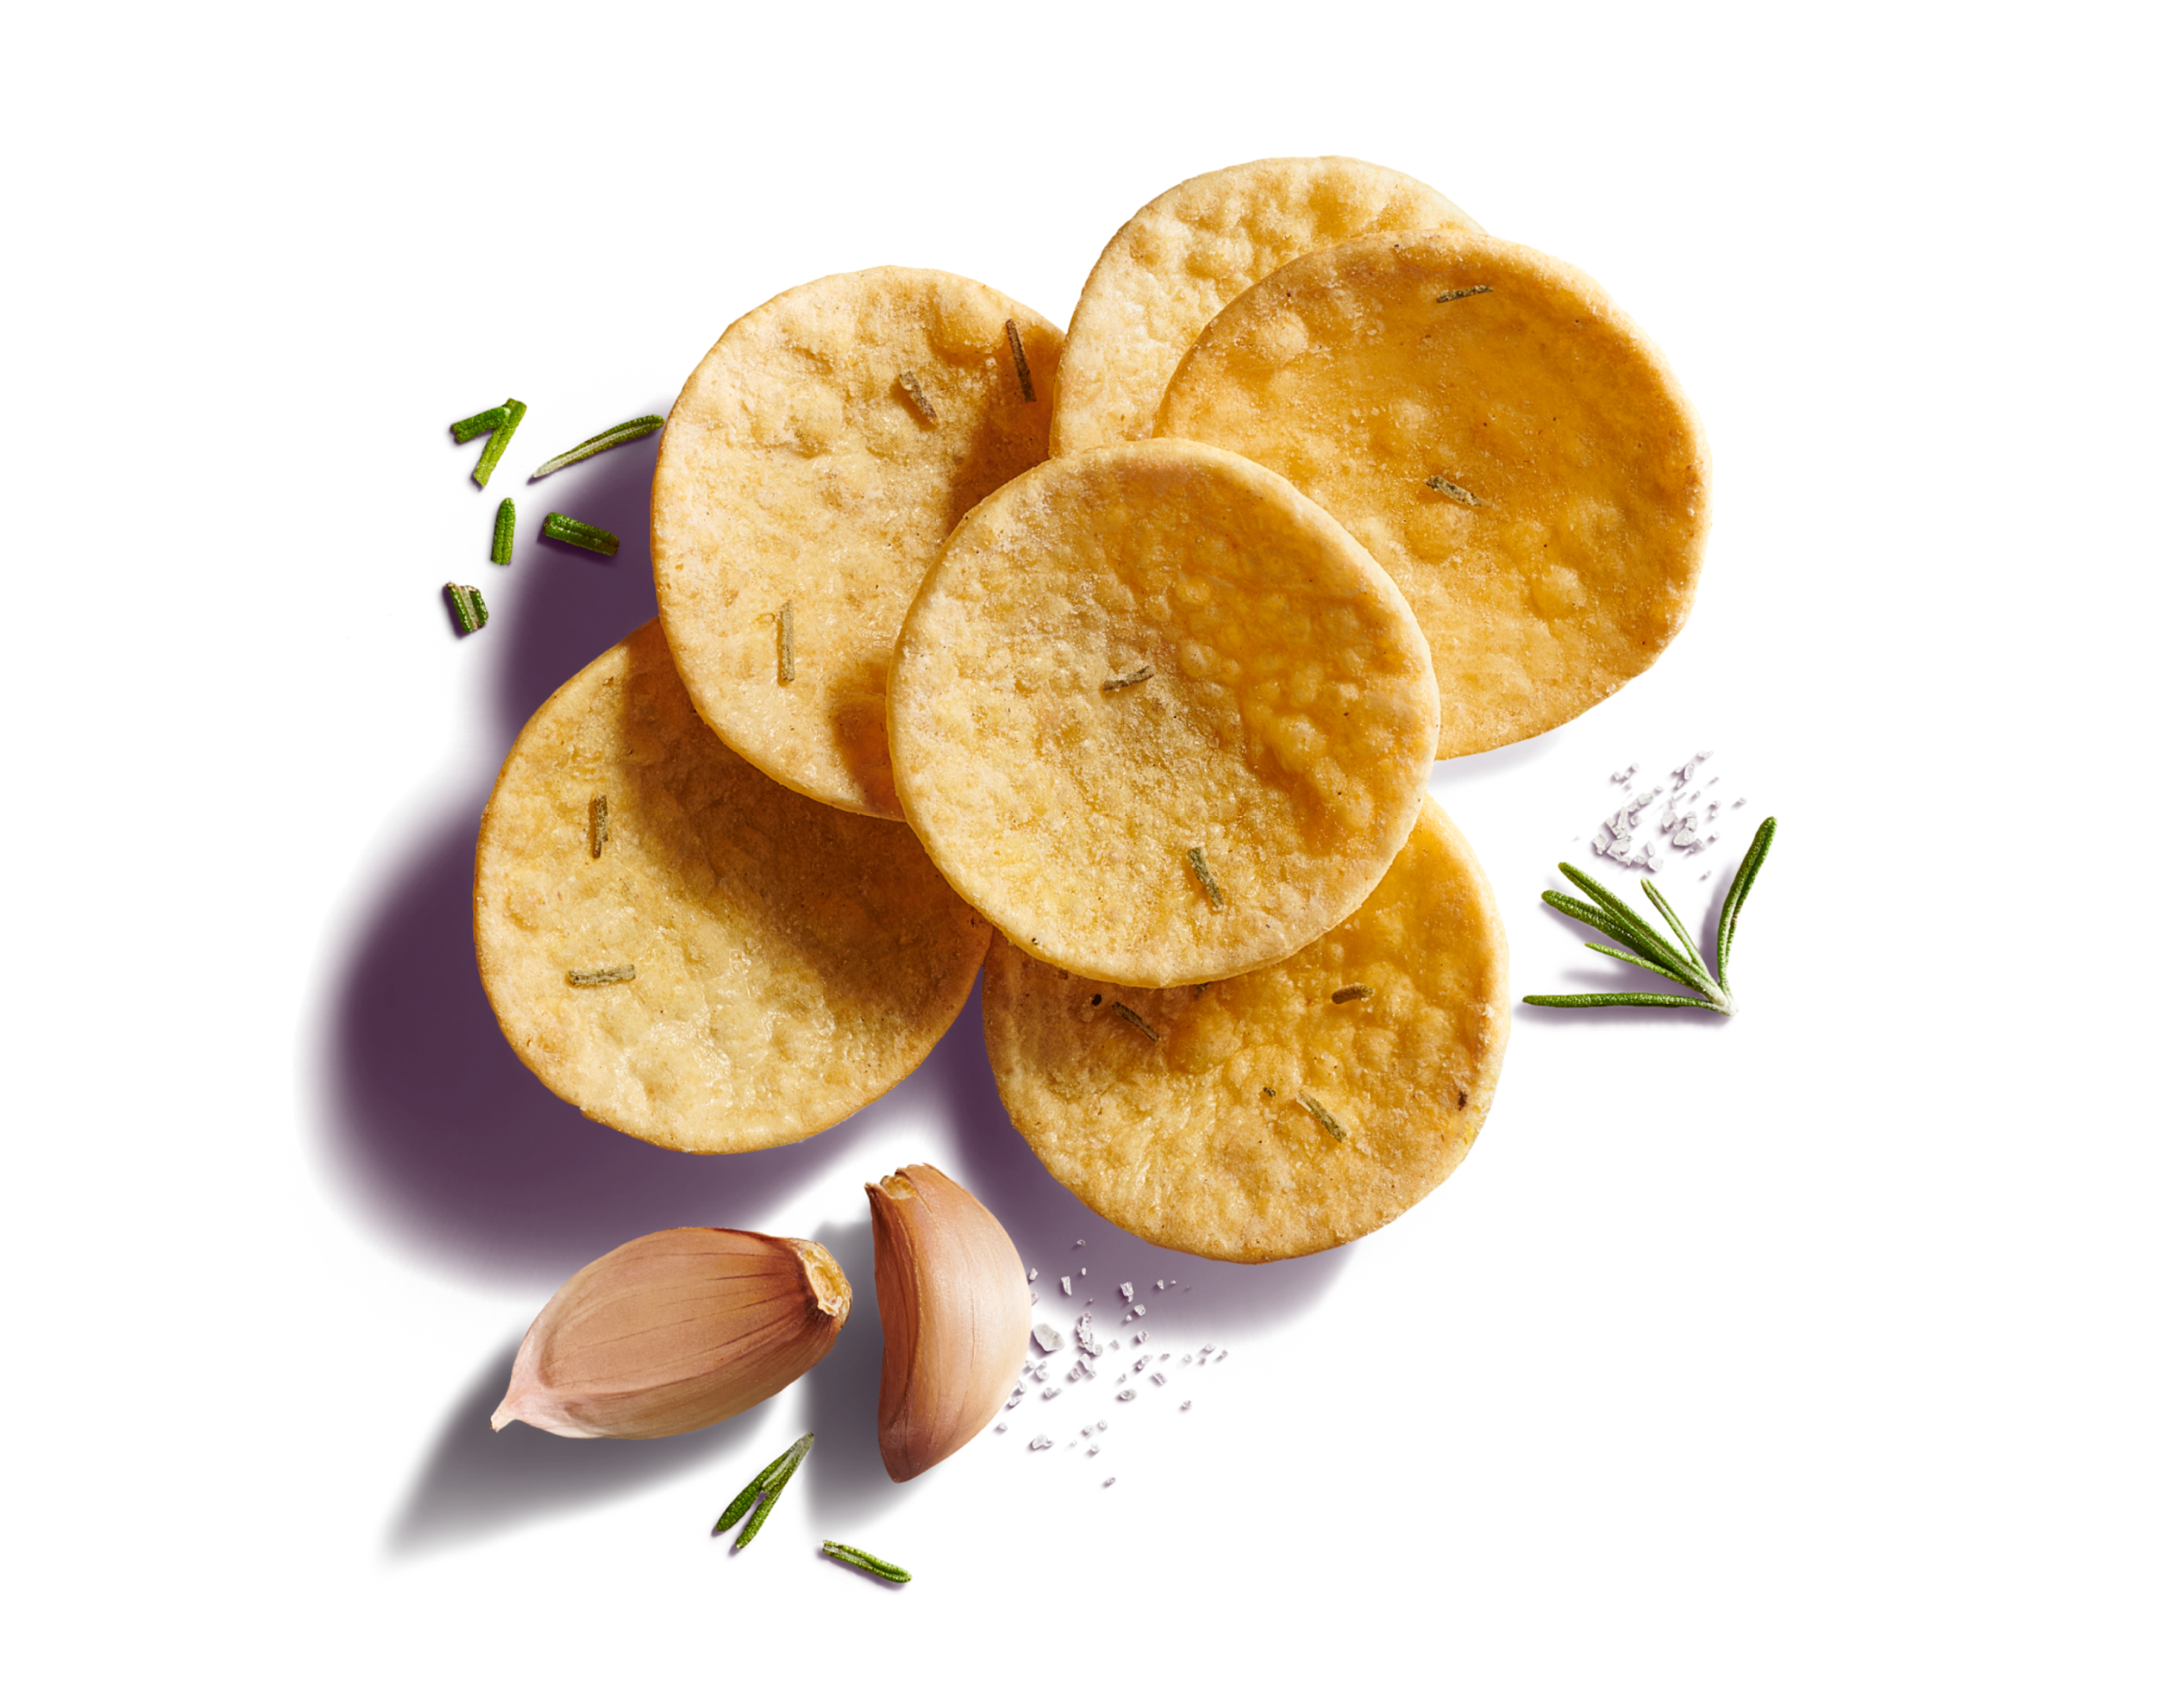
(794, 962)
(795, 469)
(1170, 267)
(1348, 374)
(1287, 730)
(1198, 1141)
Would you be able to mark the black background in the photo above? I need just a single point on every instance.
(1580, 1367)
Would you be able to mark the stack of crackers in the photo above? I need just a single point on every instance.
(1116, 663)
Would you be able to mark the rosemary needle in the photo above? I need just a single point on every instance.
(607, 976)
(1136, 1022)
(469, 606)
(1322, 1116)
(784, 644)
(1343, 995)
(1441, 484)
(504, 532)
(620, 435)
(502, 433)
(1463, 294)
(1212, 889)
(560, 526)
(865, 1561)
(1677, 959)
(471, 427)
(769, 1482)
(1023, 365)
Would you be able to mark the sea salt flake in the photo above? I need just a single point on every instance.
(1100, 1426)
(1000, 1427)
(1048, 1336)
(1139, 1337)
(1127, 1294)
(1050, 1392)
(1110, 1481)
(1160, 1286)
(1205, 1351)
(1138, 1367)
(1080, 1242)
(1064, 1286)
(1085, 1341)
(1091, 1450)
(1137, 1309)
(1160, 1380)
(1031, 1275)
(1126, 1394)
(1040, 1444)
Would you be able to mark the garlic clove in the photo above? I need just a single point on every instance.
(674, 1331)
(955, 1309)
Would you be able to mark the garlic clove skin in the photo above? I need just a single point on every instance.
(955, 1311)
(676, 1331)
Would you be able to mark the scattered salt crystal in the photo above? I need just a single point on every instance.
(1110, 1481)
(1064, 1286)
(1085, 1342)
(1040, 1444)
(1091, 1450)
(1100, 1425)
(1138, 1367)
(1127, 1294)
(1139, 1337)
(1160, 1286)
(1031, 1274)
(1138, 1309)
(1223, 1358)
(1050, 1392)
(1034, 1298)
(1080, 1242)
(1160, 1380)
(1205, 1351)
(1039, 1373)
(1186, 1405)
(1114, 1345)
(1086, 1430)
(1000, 1427)
(1164, 1357)
(1126, 1394)
(1739, 806)
(1047, 1335)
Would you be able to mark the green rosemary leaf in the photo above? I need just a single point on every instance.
(469, 607)
(1463, 294)
(1640, 939)
(577, 532)
(770, 1479)
(776, 1477)
(620, 435)
(471, 427)
(1682, 934)
(598, 824)
(1441, 484)
(1322, 1116)
(1023, 365)
(504, 532)
(865, 1561)
(1136, 1022)
(502, 433)
(1581, 1000)
(606, 977)
(784, 644)
(1739, 890)
(1115, 684)
(1343, 995)
(1645, 936)
(1633, 958)
(1206, 878)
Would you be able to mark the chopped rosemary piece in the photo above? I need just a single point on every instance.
(469, 606)
(598, 824)
(765, 1489)
(1023, 365)
(1463, 294)
(1136, 1022)
(603, 977)
(784, 644)
(471, 427)
(1115, 684)
(577, 532)
(1343, 995)
(1206, 878)
(1322, 1116)
(1650, 948)
(504, 532)
(917, 397)
(502, 433)
(620, 435)
(865, 1561)
(1441, 484)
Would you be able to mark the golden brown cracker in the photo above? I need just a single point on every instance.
(1498, 434)
(687, 951)
(814, 464)
(1198, 1131)
(1141, 652)
(1170, 267)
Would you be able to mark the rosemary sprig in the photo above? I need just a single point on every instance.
(470, 428)
(504, 532)
(560, 526)
(865, 1561)
(469, 607)
(502, 433)
(1650, 949)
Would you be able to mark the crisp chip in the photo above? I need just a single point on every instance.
(1170, 267)
(1273, 1115)
(1498, 434)
(1157, 717)
(735, 965)
(811, 472)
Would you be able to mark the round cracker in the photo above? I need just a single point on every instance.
(1284, 732)
(1353, 374)
(792, 961)
(800, 468)
(1170, 267)
(1200, 1140)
